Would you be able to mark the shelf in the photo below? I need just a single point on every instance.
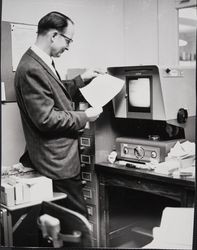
(143, 231)
(56, 196)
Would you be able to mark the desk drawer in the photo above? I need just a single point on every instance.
(157, 187)
(86, 159)
(94, 229)
(87, 167)
(85, 141)
(89, 195)
(87, 176)
(86, 145)
(165, 190)
(92, 212)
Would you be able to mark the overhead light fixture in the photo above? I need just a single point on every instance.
(182, 43)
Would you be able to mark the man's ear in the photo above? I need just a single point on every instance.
(53, 35)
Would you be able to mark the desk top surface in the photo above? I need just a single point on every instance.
(56, 196)
(114, 169)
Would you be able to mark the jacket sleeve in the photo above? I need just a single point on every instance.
(73, 85)
(37, 99)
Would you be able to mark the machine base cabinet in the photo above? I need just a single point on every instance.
(132, 216)
(131, 203)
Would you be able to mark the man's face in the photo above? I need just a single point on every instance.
(62, 40)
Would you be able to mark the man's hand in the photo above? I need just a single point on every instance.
(89, 74)
(93, 113)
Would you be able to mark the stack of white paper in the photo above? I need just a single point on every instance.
(182, 150)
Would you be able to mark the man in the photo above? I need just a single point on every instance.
(50, 124)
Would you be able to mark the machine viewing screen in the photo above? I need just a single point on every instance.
(139, 94)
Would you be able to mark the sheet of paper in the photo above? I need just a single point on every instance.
(23, 36)
(101, 90)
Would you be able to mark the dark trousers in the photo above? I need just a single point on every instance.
(73, 188)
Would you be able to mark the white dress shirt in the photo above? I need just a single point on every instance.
(44, 56)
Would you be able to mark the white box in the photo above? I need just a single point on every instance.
(26, 193)
(18, 188)
(36, 188)
(7, 194)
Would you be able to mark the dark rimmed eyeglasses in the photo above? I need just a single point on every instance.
(67, 39)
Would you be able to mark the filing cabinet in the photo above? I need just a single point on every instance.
(89, 139)
(89, 178)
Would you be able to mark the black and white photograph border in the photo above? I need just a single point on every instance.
(98, 124)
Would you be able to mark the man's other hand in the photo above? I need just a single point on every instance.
(93, 113)
(89, 74)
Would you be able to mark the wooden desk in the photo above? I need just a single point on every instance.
(7, 213)
(114, 175)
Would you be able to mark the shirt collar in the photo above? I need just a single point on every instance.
(46, 58)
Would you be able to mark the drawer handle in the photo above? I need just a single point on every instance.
(84, 182)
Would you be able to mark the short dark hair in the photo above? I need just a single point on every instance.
(53, 20)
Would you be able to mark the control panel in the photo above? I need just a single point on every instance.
(139, 152)
(142, 150)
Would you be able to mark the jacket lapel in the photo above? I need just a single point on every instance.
(44, 65)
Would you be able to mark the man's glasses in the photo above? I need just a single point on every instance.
(67, 39)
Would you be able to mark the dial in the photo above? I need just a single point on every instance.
(139, 152)
(125, 150)
(153, 154)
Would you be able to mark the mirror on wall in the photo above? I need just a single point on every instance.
(187, 18)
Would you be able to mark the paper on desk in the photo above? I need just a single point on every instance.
(102, 89)
(182, 150)
(167, 167)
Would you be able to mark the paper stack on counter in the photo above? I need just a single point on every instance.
(167, 167)
(102, 89)
(185, 152)
(180, 160)
(182, 150)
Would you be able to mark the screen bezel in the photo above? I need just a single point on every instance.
(139, 112)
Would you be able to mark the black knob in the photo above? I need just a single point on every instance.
(168, 70)
(182, 115)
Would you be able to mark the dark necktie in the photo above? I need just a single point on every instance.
(53, 64)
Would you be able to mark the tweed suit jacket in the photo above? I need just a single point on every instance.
(50, 125)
